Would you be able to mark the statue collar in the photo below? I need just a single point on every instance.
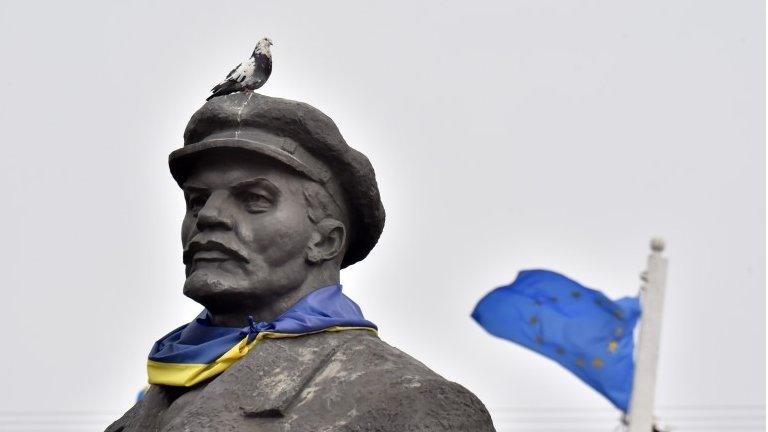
(199, 350)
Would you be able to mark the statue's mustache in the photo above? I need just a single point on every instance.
(195, 246)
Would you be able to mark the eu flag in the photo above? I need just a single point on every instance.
(578, 327)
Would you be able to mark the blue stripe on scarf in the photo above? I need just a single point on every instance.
(200, 342)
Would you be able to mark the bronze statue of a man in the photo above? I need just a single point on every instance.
(277, 204)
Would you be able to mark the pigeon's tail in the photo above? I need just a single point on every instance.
(224, 88)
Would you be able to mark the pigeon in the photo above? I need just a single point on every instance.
(248, 75)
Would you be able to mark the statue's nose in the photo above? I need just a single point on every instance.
(214, 214)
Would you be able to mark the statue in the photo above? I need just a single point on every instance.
(277, 204)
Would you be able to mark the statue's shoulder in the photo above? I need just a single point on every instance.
(126, 421)
(374, 383)
(373, 357)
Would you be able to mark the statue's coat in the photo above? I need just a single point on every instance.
(334, 381)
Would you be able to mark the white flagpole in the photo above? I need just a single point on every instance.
(647, 354)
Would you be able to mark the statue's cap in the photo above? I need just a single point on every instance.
(298, 135)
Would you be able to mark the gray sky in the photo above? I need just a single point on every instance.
(505, 135)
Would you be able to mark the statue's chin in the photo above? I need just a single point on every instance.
(208, 288)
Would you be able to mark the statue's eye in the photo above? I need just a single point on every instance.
(256, 202)
(195, 203)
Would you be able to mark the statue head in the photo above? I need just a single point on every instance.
(277, 203)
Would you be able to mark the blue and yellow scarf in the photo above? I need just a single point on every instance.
(199, 350)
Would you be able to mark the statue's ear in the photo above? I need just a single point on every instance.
(327, 241)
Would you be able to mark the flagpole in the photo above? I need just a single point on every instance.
(646, 360)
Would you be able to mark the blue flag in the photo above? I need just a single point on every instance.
(578, 327)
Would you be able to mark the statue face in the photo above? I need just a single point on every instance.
(245, 233)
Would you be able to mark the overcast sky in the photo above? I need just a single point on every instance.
(505, 135)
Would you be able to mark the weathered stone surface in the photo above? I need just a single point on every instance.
(346, 381)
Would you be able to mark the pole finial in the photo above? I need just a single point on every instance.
(657, 244)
